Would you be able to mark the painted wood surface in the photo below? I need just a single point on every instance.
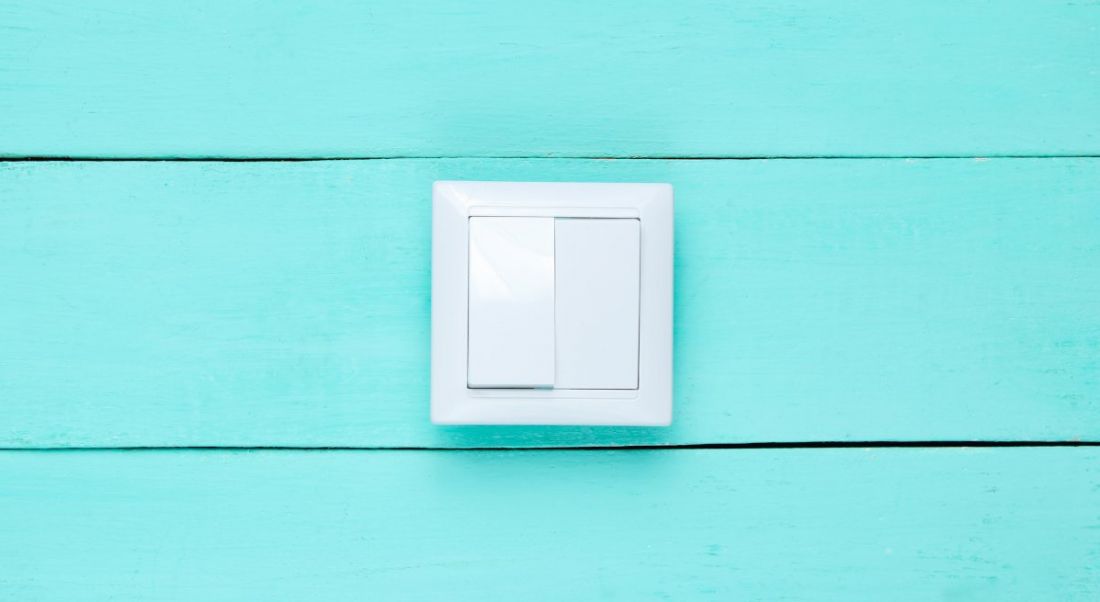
(950, 524)
(287, 304)
(112, 78)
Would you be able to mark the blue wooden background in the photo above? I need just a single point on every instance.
(214, 233)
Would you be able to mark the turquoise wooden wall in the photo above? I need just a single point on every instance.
(214, 300)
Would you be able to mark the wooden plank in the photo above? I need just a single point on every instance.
(99, 78)
(947, 524)
(184, 303)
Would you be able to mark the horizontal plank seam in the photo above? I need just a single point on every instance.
(671, 447)
(276, 159)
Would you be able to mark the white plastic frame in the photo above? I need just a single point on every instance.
(453, 203)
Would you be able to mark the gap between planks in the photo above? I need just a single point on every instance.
(278, 159)
(673, 447)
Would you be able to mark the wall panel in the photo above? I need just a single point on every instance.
(287, 303)
(243, 78)
(1004, 524)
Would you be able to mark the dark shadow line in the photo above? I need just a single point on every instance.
(671, 447)
(284, 159)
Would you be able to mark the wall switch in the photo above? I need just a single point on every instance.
(551, 303)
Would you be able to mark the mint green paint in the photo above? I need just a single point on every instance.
(260, 304)
(170, 303)
(488, 78)
(952, 524)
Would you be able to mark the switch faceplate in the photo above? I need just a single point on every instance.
(551, 303)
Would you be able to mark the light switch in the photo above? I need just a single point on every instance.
(596, 308)
(511, 305)
(551, 303)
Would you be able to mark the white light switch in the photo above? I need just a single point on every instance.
(596, 308)
(511, 312)
(552, 303)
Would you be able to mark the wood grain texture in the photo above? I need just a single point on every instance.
(950, 524)
(191, 303)
(111, 78)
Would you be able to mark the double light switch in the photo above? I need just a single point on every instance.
(553, 302)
